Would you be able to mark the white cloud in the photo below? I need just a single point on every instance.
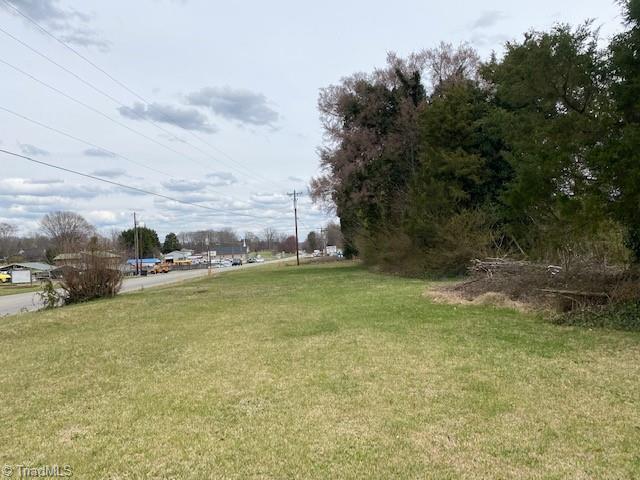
(488, 19)
(70, 25)
(32, 150)
(219, 179)
(109, 172)
(98, 152)
(11, 187)
(186, 118)
(102, 218)
(245, 106)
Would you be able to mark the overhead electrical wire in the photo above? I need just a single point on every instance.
(115, 80)
(129, 187)
(91, 144)
(121, 104)
(113, 99)
(78, 139)
(98, 112)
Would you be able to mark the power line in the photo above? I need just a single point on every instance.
(121, 84)
(86, 142)
(129, 187)
(111, 77)
(78, 139)
(121, 104)
(98, 112)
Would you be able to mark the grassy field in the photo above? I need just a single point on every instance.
(13, 289)
(323, 371)
(269, 255)
(266, 254)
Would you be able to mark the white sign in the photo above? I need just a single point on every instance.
(20, 276)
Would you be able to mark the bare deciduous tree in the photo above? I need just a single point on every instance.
(334, 234)
(447, 64)
(7, 230)
(69, 231)
(270, 235)
(7, 238)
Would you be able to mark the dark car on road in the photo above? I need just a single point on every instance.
(236, 262)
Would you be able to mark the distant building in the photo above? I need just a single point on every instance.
(26, 272)
(144, 262)
(230, 251)
(178, 255)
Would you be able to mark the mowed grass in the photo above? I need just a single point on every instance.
(9, 289)
(321, 371)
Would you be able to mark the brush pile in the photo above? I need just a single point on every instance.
(569, 287)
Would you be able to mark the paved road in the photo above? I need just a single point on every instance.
(27, 302)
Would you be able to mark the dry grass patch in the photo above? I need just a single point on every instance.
(447, 296)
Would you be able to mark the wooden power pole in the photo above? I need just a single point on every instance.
(322, 238)
(295, 215)
(136, 244)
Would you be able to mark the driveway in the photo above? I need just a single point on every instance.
(28, 302)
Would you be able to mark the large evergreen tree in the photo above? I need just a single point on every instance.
(619, 158)
(171, 243)
(548, 91)
(149, 244)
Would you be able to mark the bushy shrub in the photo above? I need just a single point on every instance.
(453, 241)
(459, 238)
(97, 275)
(49, 296)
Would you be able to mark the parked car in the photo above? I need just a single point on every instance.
(236, 262)
(220, 263)
(5, 277)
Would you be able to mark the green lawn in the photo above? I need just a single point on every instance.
(268, 254)
(9, 289)
(322, 371)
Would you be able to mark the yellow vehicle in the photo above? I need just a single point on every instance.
(182, 262)
(5, 277)
(159, 268)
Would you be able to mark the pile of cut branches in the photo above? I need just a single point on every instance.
(565, 288)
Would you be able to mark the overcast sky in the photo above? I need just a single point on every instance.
(224, 111)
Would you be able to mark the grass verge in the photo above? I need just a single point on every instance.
(13, 289)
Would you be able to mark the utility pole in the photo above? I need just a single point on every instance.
(324, 243)
(136, 243)
(209, 252)
(295, 214)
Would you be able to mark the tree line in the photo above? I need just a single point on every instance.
(440, 157)
(69, 232)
